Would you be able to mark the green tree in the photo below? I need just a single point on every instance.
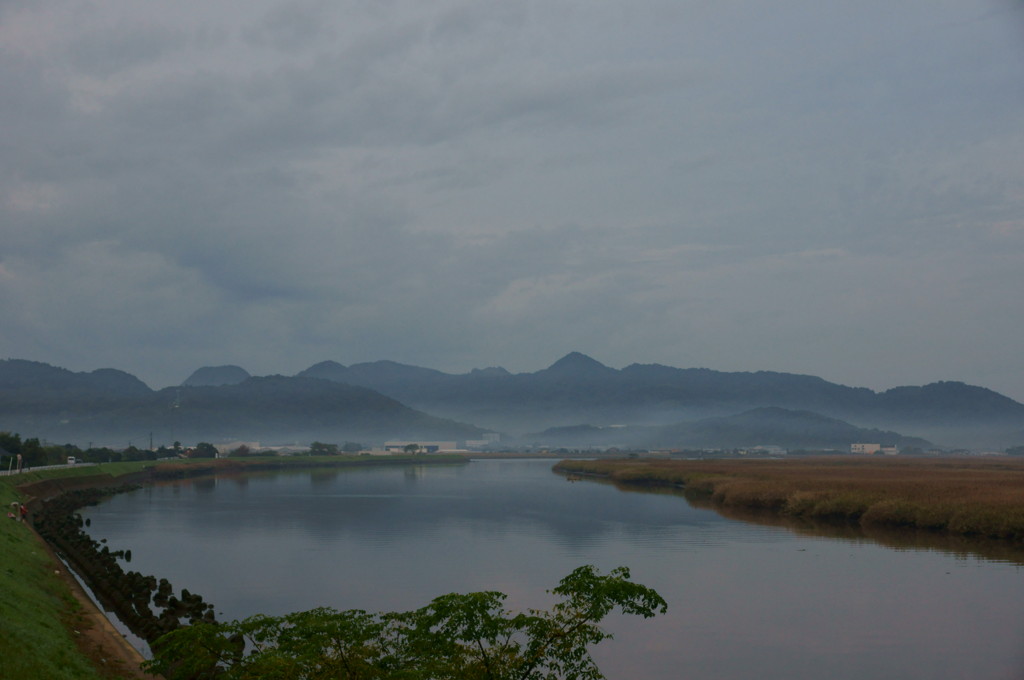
(204, 450)
(10, 447)
(101, 455)
(32, 453)
(135, 453)
(10, 442)
(66, 451)
(412, 448)
(322, 449)
(455, 637)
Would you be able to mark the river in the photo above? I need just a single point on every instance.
(746, 600)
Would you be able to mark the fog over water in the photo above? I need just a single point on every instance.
(745, 600)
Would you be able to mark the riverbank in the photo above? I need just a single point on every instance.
(958, 496)
(49, 628)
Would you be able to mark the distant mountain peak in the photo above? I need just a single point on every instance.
(326, 370)
(17, 374)
(577, 363)
(119, 381)
(327, 365)
(495, 371)
(213, 376)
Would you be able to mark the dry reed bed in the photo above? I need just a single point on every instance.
(983, 497)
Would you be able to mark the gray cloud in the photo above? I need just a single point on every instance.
(798, 186)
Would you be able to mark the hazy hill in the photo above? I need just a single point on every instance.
(212, 376)
(113, 407)
(40, 400)
(33, 392)
(946, 400)
(579, 389)
(575, 367)
(282, 409)
(330, 400)
(769, 426)
(38, 382)
(773, 426)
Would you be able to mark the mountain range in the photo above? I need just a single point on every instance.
(114, 408)
(578, 390)
(642, 404)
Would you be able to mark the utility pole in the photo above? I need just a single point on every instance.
(175, 410)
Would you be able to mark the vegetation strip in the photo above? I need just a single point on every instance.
(963, 496)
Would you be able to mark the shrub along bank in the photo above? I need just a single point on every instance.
(965, 496)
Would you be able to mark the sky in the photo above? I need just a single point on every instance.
(827, 188)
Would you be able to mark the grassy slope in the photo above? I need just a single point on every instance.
(971, 497)
(37, 610)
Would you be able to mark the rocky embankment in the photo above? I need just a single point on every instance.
(146, 605)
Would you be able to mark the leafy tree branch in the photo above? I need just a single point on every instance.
(455, 637)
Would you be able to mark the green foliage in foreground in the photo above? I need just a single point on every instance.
(455, 637)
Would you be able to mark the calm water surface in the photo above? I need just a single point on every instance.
(745, 600)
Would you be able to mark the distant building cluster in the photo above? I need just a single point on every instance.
(420, 446)
(391, 447)
(224, 449)
(872, 449)
(396, 446)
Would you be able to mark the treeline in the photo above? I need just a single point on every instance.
(35, 454)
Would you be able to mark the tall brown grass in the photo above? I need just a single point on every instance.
(968, 496)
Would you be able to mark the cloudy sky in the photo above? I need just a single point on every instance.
(832, 188)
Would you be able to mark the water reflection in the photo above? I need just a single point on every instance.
(205, 484)
(762, 597)
(368, 505)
